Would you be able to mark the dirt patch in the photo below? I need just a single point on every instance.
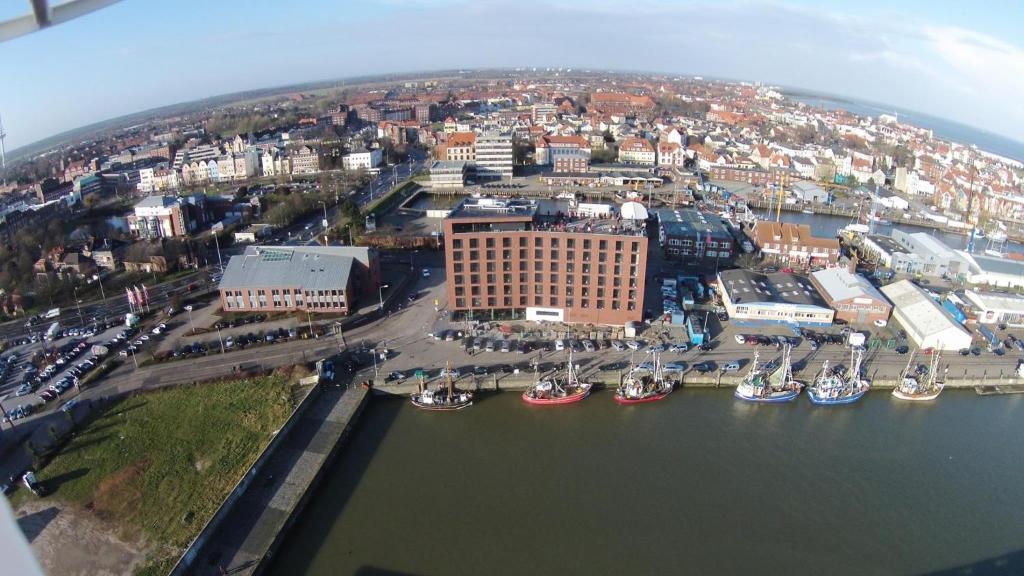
(119, 494)
(69, 541)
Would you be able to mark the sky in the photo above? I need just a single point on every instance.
(957, 60)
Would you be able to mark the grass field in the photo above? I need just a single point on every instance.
(157, 466)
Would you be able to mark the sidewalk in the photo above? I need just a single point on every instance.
(258, 519)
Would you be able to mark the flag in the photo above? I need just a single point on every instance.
(145, 294)
(138, 297)
(131, 298)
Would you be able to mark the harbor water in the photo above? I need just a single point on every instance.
(699, 483)
(825, 225)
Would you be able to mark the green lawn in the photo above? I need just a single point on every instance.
(158, 465)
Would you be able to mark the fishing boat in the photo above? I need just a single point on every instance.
(807, 211)
(831, 388)
(643, 385)
(762, 385)
(920, 388)
(557, 389)
(443, 398)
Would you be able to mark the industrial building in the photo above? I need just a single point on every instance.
(991, 271)
(927, 323)
(853, 298)
(777, 298)
(929, 255)
(299, 278)
(810, 193)
(551, 260)
(888, 253)
(693, 236)
(997, 308)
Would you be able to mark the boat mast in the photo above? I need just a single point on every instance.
(909, 362)
(448, 378)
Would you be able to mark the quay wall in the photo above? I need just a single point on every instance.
(611, 379)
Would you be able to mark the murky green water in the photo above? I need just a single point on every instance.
(697, 484)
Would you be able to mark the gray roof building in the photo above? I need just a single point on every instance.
(311, 268)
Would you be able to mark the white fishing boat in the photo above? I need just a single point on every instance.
(918, 387)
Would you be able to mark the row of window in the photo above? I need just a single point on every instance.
(538, 254)
(709, 244)
(507, 302)
(538, 242)
(538, 266)
(708, 254)
(553, 279)
(333, 299)
(538, 290)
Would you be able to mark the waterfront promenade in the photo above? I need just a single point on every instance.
(261, 514)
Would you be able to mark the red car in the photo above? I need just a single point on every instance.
(928, 351)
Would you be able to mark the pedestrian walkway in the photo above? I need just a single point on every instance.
(257, 520)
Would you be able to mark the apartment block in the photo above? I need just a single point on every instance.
(494, 156)
(544, 260)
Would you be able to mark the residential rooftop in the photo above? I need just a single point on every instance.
(691, 222)
(546, 215)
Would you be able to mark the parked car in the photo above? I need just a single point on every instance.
(395, 376)
(680, 347)
(489, 346)
(675, 367)
(740, 339)
(634, 345)
(506, 346)
(731, 367)
(704, 367)
(902, 349)
(618, 345)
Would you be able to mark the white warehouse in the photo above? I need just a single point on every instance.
(928, 324)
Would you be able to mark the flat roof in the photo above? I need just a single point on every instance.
(988, 264)
(840, 284)
(996, 301)
(917, 308)
(886, 243)
(745, 287)
(308, 267)
(448, 164)
(691, 222)
(487, 207)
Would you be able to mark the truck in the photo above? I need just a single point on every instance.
(52, 313)
(52, 331)
(856, 340)
(131, 320)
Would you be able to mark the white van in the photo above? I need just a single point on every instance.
(559, 345)
(731, 367)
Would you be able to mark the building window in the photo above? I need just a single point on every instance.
(490, 243)
(473, 242)
(457, 243)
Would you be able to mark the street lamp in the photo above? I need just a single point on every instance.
(78, 304)
(99, 280)
(380, 294)
(189, 310)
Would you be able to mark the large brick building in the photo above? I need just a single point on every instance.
(544, 260)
